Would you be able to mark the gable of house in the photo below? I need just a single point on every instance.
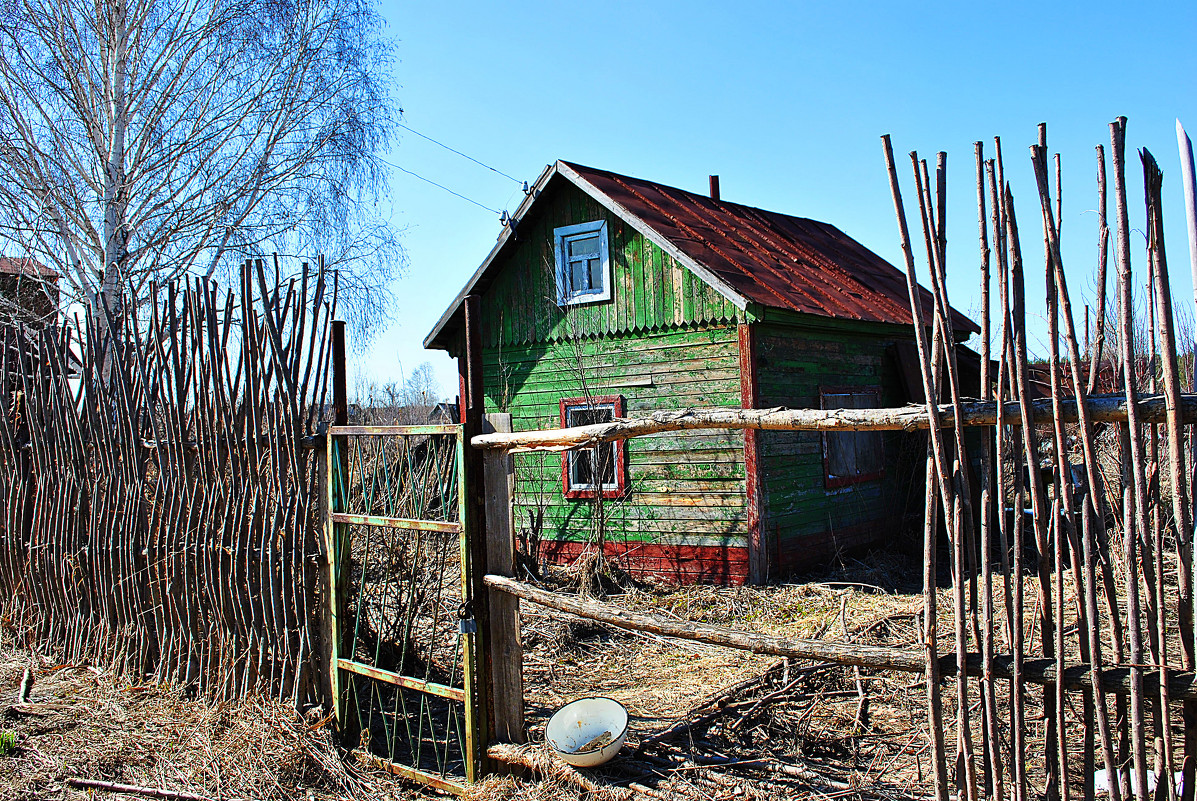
(665, 339)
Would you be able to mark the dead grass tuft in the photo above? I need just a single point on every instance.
(82, 721)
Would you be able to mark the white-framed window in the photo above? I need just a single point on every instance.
(602, 468)
(583, 264)
(850, 457)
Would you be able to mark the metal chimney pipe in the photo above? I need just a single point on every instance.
(714, 187)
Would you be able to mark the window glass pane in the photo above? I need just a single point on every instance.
(605, 455)
(582, 416)
(583, 246)
(596, 274)
(591, 465)
(579, 280)
(839, 455)
(583, 472)
(584, 466)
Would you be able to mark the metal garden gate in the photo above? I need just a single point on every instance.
(402, 630)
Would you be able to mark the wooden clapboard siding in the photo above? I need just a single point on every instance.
(650, 290)
(685, 489)
(806, 520)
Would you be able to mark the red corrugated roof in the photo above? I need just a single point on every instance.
(26, 266)
(772, 259)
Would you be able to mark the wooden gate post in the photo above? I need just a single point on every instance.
(335, 471)
(506, 649)
(473, 401)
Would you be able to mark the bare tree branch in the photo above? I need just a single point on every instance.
(145, 139)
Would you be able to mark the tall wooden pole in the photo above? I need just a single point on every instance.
(478, 600)
(339, 553)
(506, 649)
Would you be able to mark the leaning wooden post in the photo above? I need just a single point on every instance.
(1187, 619)
(477, 655)
(506, 649)
(1189, 182)
(335, 470)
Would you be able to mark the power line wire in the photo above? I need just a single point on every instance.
(441, 186)
(458, 152)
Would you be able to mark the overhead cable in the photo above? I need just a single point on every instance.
(458, 152)
(441, 186)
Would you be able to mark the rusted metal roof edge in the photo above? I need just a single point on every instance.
(28, 267)
(654, 236)
(430, 341)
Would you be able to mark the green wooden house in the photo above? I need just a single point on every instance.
(609, 296)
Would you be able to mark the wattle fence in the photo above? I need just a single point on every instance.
(159, 498)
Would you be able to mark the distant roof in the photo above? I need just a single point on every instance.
(749, 255)
(26, 266)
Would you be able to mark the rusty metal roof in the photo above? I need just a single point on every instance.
(26, 266)
(748, 254)
(769, 258)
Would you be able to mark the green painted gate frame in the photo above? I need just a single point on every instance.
(336, 528)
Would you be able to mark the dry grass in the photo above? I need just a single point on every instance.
(82, 721)
(758, 728)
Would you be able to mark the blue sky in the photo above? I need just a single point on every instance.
(787, 103)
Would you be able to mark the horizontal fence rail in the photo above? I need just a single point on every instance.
(1100, 408)
(1182, 685)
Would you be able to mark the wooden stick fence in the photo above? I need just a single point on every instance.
(158, 485)
(1103, 603)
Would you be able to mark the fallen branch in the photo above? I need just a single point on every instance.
(764, 701)
(1182, 685)
(26, 686)
(132, 789)
(684, 725)
(720, 700)
(22, 710)
(651, 792)
(766, 764)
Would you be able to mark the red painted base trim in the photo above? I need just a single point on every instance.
(676, 564)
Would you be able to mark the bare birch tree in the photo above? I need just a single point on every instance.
(147, 139)
(421, 387)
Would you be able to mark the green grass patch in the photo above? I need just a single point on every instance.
(8, 741)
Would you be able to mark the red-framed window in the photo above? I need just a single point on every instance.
(603, 468)
(850, 457)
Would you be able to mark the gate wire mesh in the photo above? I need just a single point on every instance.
(403, 600)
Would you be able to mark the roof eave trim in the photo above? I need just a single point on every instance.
(442, 323)
(621, 211)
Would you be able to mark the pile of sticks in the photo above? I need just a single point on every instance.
(697, 756)
(1105, 533)
(159, 508)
